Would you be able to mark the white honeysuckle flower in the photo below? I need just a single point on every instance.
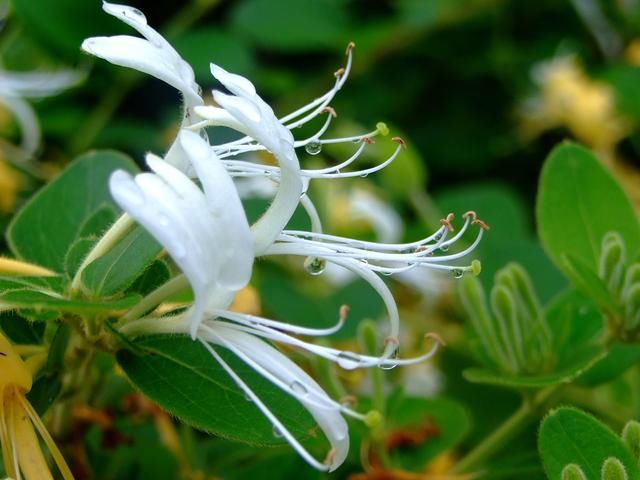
(207, 235)
(16, 86)
(152, 55)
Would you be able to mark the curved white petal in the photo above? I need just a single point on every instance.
(37, 84)
(154, 56)
(27, 121)
(236, 84)
(328, 418)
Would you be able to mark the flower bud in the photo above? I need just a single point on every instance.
(612, 469)
(572, 472)
(631, 437)
(632, 307)
(504, 307)
(612, 260)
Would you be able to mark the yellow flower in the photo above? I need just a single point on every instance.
(10, 185)
(21, 451)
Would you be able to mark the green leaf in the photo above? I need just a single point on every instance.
(568, 435)
(126, 261)
(53, 219)
(447, 417)
(46, 293)
(19, 329)
(183, 378)
(157, 274)
(578, 203)
(44, 391)
(619, 358)
(305, 26)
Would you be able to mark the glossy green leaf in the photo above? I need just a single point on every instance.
(568, 435)
(46, 227)
(19, 329)
(571, 212)
(184, 379)
(127, 260)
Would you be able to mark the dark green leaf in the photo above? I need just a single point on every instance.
(157, 274)
(184, 379)
(19, 329)
(52, 220)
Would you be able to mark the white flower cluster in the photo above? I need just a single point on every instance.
(203, 227)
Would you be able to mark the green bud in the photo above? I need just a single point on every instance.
(632, 277)
(382, 128)
(612, 469)
(612, 259)
(509, 327)
(572, 472)
(474, 301)
(632, 307)
(631, 437)
(476, 267)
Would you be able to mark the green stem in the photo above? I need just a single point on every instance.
(128, 79)
(505, 432)
(155, 298)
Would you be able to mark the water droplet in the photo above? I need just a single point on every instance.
(299, 388)
(356, 140)
(390, 365)
(457, 273)
(267, 173)
(437, 236)
(248, 398)
(313, 148)
(444, 248)
(163, 220)
(315, 265)
(276, 432)
(386, 274)
(364, 175)
(348, 360)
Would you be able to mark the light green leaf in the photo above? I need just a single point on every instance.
(578, 203)
(183, 378)
(568, 435)
(127, 260)
(46, 227)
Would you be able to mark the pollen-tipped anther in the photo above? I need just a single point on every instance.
(435, 337)
(368, 140)
(391, 339)
(344, 311)
(470, 214)
(349, 400)
(339, 72)
(480, 223)
(400, 141)
(446, 222)
(328, 460)
(350, 47)
(330, 110)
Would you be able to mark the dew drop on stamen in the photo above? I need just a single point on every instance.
(457, 273)
(313, 148)
(390, 365)
(248, 398)
(348, 360)
(314, 265)
(276, 432)
(364, 175)
(444, 248)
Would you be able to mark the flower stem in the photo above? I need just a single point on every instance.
(127, 80)
(9, 266)
(112, 236)
(505, 432)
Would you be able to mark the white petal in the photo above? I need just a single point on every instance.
(142, 55)
(27, 121)
(216, 116)
(236, 84)
(242, 109)
(38, 84)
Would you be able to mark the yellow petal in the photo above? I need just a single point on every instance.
(30, 456)
(14, 371)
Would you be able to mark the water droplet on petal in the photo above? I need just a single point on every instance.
(248, 398)
(315, 265)
(457, 272)
(390, 365)
(364, 175)
(313, 148)
(299, 388)
(348, 360)
(276, 432)
(444, 248)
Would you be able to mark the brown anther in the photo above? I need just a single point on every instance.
(480, 223)
(368, 140)
(331, 454)
(350, 47)
(400, 141)
(349, 400)
(470, 214)
(446, 222)
(339, 72)
(344, 311)
(330, 110)
(421, 248)
(435, 337)
(391, 339)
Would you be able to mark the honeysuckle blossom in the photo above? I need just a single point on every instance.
(15, 87)
(22, 455)
(207, 234)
